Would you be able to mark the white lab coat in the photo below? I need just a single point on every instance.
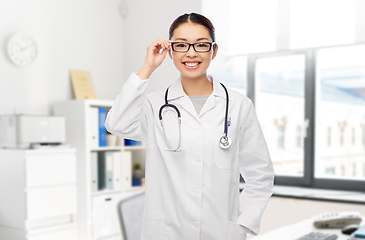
(193, 194)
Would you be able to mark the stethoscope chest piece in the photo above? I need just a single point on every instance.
(225, 142)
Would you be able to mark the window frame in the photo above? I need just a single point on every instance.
(308, 179)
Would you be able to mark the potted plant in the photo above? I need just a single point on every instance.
(137, 174)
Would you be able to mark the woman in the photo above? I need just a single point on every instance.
(192, 183)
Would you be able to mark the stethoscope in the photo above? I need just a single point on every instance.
(224, 142)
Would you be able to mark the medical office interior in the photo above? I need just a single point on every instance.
(302, 62)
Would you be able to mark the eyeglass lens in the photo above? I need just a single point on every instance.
(198, 47)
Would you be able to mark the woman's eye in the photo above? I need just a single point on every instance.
(204, 45)
(181, 45)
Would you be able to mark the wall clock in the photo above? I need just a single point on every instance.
(21, 49)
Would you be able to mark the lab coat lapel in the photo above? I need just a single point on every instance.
(218, 91)
(209, 104)
(178, 97)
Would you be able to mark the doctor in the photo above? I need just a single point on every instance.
(192, 179)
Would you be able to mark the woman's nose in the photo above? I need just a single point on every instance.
(191, 52)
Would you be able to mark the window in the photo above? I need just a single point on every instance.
(342, 170)
(281, 134)
(279, 102)
(233, 74)
(331, 171)
(324, 94)
(299, 136)
(319, 89)
(340, 102)
(354, 170)
(329, 136)
(253, 38)
(337, 27)
(342, 130)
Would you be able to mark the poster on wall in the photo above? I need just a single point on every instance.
(82, 85)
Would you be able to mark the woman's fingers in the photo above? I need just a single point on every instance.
(156, 52)
(159, 45)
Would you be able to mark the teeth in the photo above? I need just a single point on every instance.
(191, 64)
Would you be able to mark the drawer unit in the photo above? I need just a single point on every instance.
(38, 194)
(44, 203)
(105, 217)
(60, 234)
(48, 169)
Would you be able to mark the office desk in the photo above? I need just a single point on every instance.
(297, 230)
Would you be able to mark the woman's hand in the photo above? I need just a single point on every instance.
(156, 53)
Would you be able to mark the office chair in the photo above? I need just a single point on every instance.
(130, 214)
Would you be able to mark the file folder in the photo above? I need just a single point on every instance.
(102, 129)
(117, 170)
(109, 170)
(94, 127)
(101, 171)
(127, 169)
(94, 171)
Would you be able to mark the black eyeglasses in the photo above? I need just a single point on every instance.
(198, 47)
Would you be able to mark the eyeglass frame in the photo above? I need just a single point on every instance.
(192, 44)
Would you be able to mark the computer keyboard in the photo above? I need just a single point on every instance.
(318, 236)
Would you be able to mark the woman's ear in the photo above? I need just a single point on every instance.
(215, 51)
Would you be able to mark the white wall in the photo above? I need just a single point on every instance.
(146, 21)
(86, 35)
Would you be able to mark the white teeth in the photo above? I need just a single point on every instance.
(191, 64)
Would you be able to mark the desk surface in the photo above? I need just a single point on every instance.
(297, 230)
(320, 194)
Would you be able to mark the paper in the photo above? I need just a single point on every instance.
(82, 84)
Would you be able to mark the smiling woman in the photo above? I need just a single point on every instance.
(192, 171)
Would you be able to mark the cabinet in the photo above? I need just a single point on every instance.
(97, 209)
(38, 194)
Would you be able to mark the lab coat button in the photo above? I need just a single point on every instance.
(195, 224)
(196, 192)
(197, 160)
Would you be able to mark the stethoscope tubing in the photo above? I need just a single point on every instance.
(179, 117)
(226, 116)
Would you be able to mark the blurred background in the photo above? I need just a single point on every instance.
(302, 62)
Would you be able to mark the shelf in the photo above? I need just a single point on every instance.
(106, 148)
(118, 148)
(102, 192)
(132, 189)
(129, 148)
(135, 189)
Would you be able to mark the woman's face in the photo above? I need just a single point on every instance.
(198, 61)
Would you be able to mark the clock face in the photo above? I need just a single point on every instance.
(22, 50)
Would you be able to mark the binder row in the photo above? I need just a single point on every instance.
(111, 170)
(98, 131)
(97, 127)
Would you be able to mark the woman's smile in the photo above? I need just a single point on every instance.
(191, 65)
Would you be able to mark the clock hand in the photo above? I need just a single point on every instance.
(19, 46)
(26, 47)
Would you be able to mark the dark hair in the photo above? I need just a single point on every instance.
(193, 18)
